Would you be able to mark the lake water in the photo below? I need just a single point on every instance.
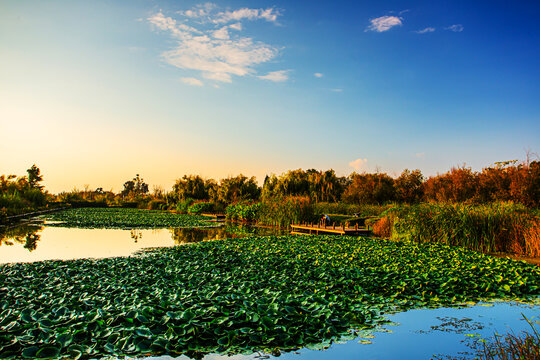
(36, 241)
(445, 333)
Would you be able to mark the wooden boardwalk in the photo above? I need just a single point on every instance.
(306, 229)
(215, 217)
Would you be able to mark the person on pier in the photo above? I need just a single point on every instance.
(325, 220)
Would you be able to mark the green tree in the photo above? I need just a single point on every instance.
(34, 177)
(135, 187)
(191, 187)
(238, 188)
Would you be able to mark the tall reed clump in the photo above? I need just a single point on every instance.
(283, 211)
(496, 227)
(513, 347)
(361, 210)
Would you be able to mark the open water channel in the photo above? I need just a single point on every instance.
(444, 333)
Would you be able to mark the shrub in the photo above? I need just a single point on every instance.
(157, 205)
(243, 211)
(383, 227)
(183, 205)
(201, 207)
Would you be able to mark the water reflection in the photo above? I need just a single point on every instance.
(228, 231)
(25, 234)
(136, 234)
(37, 241)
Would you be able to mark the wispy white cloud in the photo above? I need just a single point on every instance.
(420, 155)
(425, 30)
(359, 164)
(336, 90)
(384, 23)
(205, 44)
(192, 81)
(276, 76)
(269, 14)
(199, 11)
(318, 75)
(236, 26)
(455, 28)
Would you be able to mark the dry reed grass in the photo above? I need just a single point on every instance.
(513, 347)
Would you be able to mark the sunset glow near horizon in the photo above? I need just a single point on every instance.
(96, 92)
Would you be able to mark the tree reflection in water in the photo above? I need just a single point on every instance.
(187, 235)
(26, 234)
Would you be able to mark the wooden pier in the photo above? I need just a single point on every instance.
(215, 217)
(306, 229)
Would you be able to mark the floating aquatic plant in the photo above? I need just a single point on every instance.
(122, 218)
(239, 295)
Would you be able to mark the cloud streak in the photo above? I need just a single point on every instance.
(425, 30)
(276, 76)
(384, 23)
(455, 28)
(207, 43)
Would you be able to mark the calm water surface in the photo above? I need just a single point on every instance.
(36, 241)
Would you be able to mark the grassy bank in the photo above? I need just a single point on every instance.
(239, 295)
(497, 227)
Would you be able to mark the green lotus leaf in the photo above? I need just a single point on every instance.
(30, 352)
(48, 352)
(64, 339)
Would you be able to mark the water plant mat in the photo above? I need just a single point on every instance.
(239, 295)
(121, 218)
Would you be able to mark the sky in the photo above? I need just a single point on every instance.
(96, 92)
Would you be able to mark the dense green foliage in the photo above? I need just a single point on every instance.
(125, 219)
(243, 211)
(22, 194)
(496, 227)
(318, 185)
(201, 207)
(283, 211)
(239, 295)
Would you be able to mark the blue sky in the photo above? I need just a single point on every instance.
(95, 92)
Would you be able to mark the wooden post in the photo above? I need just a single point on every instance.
(356, 227)
(334, 226)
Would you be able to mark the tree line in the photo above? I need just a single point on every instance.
(504, 181)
